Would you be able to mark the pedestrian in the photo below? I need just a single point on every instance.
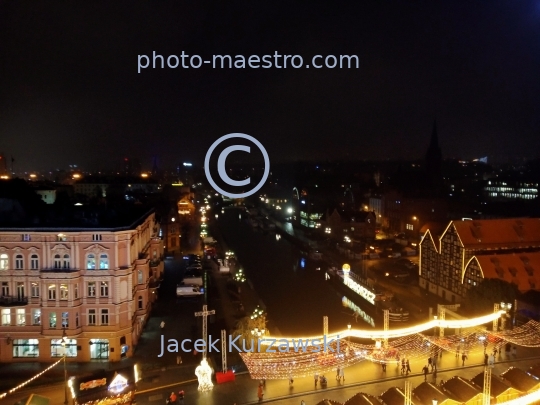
(260, 392)
(435, 376)
(425, 370)
(403, 365)
(495, 352)
(337, 374)
(435, 362)
(408, 367)
(383, 364)
(162, 325)
(486, 357)
(178, 359)
(342, 374)
(172, 398)
(316, 379)
(291, 381)
(430, 362)
(181, 396)
(463, 358)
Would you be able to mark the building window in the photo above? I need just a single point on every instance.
(91, 262)
(4, 261)
(65, 319)
(25, 348)
(35, 289)
(6, 317)
(5, 288)
(103, 262)
(99, 348)
(57, 262)
(52, 292)
(34, 262)
(64, 292)
(26, 237)
(96, 237)
(61, 237)
(36, 317)
(67, 347)
(52, 320)
(76, 290)
(21, 317)
(91, 317)
(19, 265)
(140, 277)
(76, 319)
(91, 288)
(410, 227)
(104, 316)
(140, 302)
(104, 289)
(65, 264)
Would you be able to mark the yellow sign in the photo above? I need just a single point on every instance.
(92, 384)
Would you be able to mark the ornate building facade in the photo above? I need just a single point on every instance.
(95, 286)
(469, 251)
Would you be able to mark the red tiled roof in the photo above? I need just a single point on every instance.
(521, 269)
(513, 232)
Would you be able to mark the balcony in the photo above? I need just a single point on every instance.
(12, 301)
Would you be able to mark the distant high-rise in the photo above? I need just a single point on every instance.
(434, 161)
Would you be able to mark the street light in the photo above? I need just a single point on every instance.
(506, 307)
(64, 341)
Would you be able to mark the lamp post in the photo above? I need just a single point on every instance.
(64, 341)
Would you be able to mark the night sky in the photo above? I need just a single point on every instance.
(70, 92)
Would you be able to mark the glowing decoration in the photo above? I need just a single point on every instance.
(346, 269)
(362, 291)
(11, 391)
(118, 384)
(204, 375)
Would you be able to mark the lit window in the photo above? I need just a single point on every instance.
(59, 347)
(104, 289)
(91, 262)
(36, 317)
(63, 292)
(4, 262)
(25, 348)
(103, 262)
(52, 292)
(91, 288)
(65, 319)
(76, 290)
(6, 317)
(140, 277)
(5, 288)
(35, 289)
(61, 237)
(52, 320)
(21, 317)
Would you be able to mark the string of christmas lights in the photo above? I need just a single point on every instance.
(302, 361)
(11, 391)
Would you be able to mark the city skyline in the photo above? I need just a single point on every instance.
(73, 92)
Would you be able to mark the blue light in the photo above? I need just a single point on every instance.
(302, 262)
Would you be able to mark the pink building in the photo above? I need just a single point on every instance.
(95, 285)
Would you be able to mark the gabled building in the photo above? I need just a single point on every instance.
(444, 261)
(354, 224)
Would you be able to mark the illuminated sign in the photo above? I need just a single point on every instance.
(118, 384)
(93, 384)
(360, 290)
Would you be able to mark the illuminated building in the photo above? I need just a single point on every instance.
(470, 250)
(96, 283)
(511, 190)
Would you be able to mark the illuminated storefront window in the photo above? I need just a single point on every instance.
(25, 348)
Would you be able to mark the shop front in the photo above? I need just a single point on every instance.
(105, 387)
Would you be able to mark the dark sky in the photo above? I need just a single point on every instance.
(70, 91)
